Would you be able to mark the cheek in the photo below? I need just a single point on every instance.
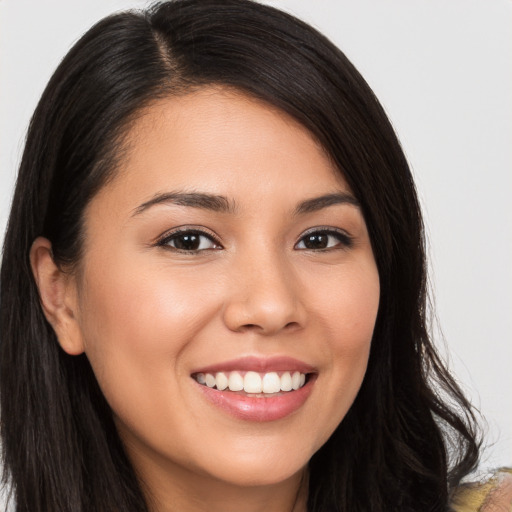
(348, 309)
(132, 298)
(139, 324)
(356, 322)
(138, 318)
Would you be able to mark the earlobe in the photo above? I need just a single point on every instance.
(58, 295)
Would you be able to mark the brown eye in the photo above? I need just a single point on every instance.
(189, 241)
(324, 239)
(316, 241)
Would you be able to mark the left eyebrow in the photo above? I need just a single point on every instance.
(199, 200)
(318, 203)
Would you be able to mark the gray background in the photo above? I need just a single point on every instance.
(443, 71)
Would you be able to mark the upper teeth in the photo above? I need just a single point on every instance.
(253, 382)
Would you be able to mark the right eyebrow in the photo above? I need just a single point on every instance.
(200, 200)
(318, 203)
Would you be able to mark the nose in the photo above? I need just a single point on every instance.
(264, 296)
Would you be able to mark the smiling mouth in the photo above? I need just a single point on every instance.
(253, 383)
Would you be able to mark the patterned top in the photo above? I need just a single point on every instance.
(493, 495)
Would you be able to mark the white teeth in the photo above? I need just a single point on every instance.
(296, 380)
(253, 382)
(271, 383)
(236, 382)
(222, 381)
(286, 382)
(210, 380)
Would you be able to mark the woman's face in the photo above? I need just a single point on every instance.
(227, 249)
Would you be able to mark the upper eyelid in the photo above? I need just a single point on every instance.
(324, 229)
(187, 229)
(329, 230)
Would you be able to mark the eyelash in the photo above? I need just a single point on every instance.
(174, 235)
(345, 241)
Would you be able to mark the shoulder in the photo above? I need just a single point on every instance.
(493, 495)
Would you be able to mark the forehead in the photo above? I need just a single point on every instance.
(225, 142)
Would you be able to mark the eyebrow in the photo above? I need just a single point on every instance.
(318, 203)
(222, 204)
(200, 200)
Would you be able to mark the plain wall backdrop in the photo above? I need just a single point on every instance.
(443, 71)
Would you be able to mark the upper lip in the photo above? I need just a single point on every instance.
(259, 364)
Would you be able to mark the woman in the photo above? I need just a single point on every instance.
(213, 282)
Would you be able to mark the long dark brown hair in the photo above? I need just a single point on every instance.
(409, 436)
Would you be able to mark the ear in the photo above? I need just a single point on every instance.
(58, 294)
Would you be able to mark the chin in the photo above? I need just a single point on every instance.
(259, 468)
(260, 477)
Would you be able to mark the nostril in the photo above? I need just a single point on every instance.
(249, 327)
(255, 327)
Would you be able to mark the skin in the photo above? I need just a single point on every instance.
(148, 315)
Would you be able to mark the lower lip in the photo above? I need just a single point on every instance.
(250, 408)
